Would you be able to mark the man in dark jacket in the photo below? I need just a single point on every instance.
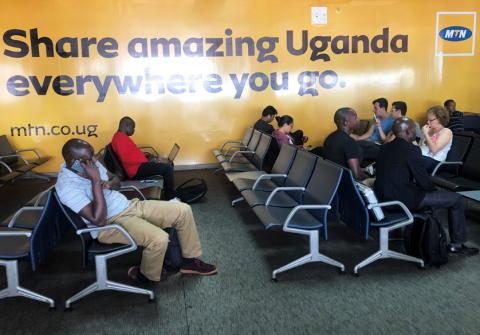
(402, 176)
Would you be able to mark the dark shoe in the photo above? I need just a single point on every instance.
(135, 274)
(196, 266)
(462, 249)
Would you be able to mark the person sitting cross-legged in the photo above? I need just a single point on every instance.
(83, 185)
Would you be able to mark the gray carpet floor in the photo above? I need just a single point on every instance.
(389, 297)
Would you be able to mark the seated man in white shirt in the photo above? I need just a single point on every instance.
(83, 185)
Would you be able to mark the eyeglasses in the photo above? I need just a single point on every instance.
(431, 120)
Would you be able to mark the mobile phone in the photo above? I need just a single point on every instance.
(77, 167)
(148, 181)
(374, 116)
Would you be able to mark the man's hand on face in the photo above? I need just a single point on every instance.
(91, 171)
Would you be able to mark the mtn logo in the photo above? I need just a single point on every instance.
(455, 33)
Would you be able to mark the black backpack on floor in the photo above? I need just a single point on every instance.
(192, 190)
(426, 239)
(173, 256)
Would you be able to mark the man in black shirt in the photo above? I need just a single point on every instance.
(340, 148)
(263, 124)
(402, 176)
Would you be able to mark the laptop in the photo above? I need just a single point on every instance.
(171, 156)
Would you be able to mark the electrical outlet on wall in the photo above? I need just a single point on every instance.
(319, 15)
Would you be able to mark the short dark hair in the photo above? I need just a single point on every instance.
(445, 104)
(341, 115)
(73, 145)
(382, 102)
(402, 106)
(285, 119)
(269, 110)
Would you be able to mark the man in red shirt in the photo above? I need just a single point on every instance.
(134, 162)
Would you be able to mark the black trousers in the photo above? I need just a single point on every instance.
(429, 163)
(370, 150)
(453, 202)
(149, 169)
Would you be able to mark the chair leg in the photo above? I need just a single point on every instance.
(313, 256)
(102, 283)
(83, 293)
(15, 290)
(127, 288)
(385, 252)
(237, 200)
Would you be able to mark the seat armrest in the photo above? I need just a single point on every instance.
(134, 189)
(16, 233)
(283, 189)
(267, 176)
(13, 220)
(391, 204)
(18, 156)
(229, 142)
(298, 208)
(6, 166)
(122, 230)
(230, 149)
(29, 150)
(240, 152)
(442, 164)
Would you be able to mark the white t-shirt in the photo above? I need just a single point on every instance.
(441, 155)
(75, 192)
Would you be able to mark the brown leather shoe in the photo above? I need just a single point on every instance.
(196, 266)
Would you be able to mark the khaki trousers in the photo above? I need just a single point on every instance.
(144, 221)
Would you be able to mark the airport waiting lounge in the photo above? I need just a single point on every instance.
(239, 167)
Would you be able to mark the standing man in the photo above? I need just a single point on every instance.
(382, 125)
(83, 186)
(401, 175)
(263, 124)
(340, 148)
(134, 162)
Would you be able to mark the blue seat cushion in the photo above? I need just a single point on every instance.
(274, 217)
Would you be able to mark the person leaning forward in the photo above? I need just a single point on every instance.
(401, 175)
(84, 186)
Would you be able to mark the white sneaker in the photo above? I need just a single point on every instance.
(175, 200)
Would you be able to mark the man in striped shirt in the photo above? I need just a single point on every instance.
(87, 188)
(456, 117)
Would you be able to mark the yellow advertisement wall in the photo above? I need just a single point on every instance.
(202, 103)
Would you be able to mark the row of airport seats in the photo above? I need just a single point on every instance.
(33, 232)
(300, 192)
(461, 169)
(256, 151)
(17, 163)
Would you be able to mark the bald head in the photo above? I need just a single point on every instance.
(404, 128)
(346, 119)
(126, 125)
(76, 148)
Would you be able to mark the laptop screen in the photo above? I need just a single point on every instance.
(173, 153)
